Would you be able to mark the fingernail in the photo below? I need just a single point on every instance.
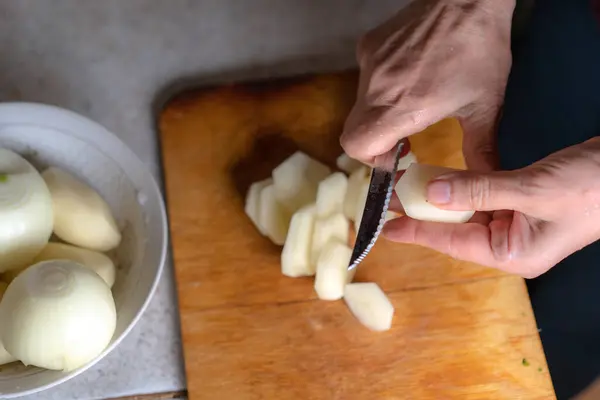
(439, 192)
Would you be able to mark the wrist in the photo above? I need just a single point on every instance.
(501, 8)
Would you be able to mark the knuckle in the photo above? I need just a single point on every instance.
(480, 189)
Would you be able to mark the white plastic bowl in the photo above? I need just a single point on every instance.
(47, 135)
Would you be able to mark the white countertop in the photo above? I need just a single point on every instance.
(112, 60)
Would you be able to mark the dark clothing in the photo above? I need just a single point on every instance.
(553, 101)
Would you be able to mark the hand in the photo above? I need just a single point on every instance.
(434, 59)
(536, 216)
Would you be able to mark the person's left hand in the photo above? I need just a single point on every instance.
(530, 219)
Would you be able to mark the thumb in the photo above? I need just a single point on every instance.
(373, 131)
(467, 190)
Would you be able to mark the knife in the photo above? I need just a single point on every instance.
(376, 205)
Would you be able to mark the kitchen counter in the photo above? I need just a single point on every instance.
(116, 62)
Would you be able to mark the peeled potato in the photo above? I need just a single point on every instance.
(296, 181)
(347, 164)
(404, 162)
(353, 191)
(412, 192)
(97, 262)
(5, 358)
(332, 270)
(252, 202)
(81, 216)
(334, 227)
(370, 305)
(331, 194)
(274, 219)
(295, 257)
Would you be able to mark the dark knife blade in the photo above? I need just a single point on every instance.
(376, 206)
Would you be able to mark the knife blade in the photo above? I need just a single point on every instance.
(376, 205)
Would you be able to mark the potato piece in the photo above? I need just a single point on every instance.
(360, 203)
(347, 164)
(274, 219)
(334, 227)
(253, 200)
(296, 257)
(332, 270)
(353, 191)
(370, 305)
(296, 181)
(404, 162)
(5, 358)
(97, 262)
(81, 216)
(391, 215)
(412, 192)
(331, 194)
(360, 207)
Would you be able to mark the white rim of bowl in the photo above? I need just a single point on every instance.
(111, 140)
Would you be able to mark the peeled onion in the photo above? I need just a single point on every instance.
(26, 217)
(57, 315)
(5, 358)
(81, 216)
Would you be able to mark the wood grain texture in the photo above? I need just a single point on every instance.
(460, 331)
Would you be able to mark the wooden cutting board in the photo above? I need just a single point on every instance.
(460, 331)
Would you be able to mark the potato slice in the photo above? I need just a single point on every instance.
(273, 218)
(331, 194)
(332, 270)
(253, 200)
(296, 181)
(353, 191)
(334, 227)
(347, 164)
(296, 257)
(370, 305)
(404, 162)
(412, 192)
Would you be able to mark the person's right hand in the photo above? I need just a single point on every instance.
(434, 59)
